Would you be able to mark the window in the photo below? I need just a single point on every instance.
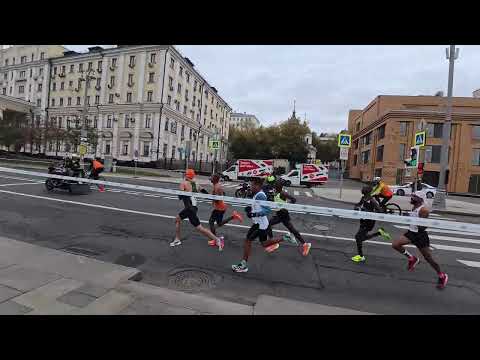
(403, 128)
(22, 74)
(194, 100)
(125, 148)
(173, 151)
(401, 151)
(434, 130)
(79, 84)
(53, 102)
(195, 85)
(127, 121)
(182, 132)
(476, 131)
(476, 157)
(177, 105)
(54, 86)
(179, 88)
(129, 97)
(99, 66)
(170, 82)
(114, 62)
(365, 156)
(98, 83)
(381, 132)
(60, 122)
(61, 101)
(180, 71)
(109, 122)
(62, 85)
(55, 70)
(151, 77)
(69, 101)
(355, 159)
(39, 102)
(148, 121)
(173, 127)
(380, 153)
(165, 150)
(80, 67)
(432, 154)
(97, 99)
(186, 94)
(152, 58)
(5, 76)
(355, 144)
(72, 67)
(70, 84)
(185, 110)
(132, 61)
(21, 89)
(166, 125)
(30, 88)
(169, 100)
(172, 63)
(42, 56)
(367, 138)
(88, 100)
(90, 66)
(146, 149)
(40, 71)
(378, 172)
(149, 96)
(78, 100)
(95, 121)
(110, 98)
(112, 81)
(130, 79)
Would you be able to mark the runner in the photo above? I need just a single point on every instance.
(367, 203)
(190, 212)
(258, 213)
(219, 208)
(283, 216)
(418, 236)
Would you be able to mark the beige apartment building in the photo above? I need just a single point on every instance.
(244, 121)
(146, 99)
(383, 132)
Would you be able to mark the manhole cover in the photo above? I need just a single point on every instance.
(191, 280)
(81, 251)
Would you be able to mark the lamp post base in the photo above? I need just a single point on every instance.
(439, 202)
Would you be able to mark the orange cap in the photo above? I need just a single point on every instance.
(190, 174)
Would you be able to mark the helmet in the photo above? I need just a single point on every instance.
(190, 174)
(377, 179)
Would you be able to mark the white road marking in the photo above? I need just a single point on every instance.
(17, 178)
(449, 238)
(132, 192)
(115, 190)
(436, 246)
(152, 195)
(440, 217)
(296, 193)
(171, 197)
(13, 184)
(441, 231)
(308, 194)
(470, 263)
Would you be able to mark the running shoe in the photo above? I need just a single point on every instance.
(221, 243)
(288, 237)
(412, 262)
(358, 258)
(306, 248)
(240, 268)
(272, 248)
(175, 242)
(101, 189)
(237, 216)
(385, 235)
(212, 242)
(442, 280)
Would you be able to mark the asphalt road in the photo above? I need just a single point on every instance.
(134, 228)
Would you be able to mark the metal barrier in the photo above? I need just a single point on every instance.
(309, 209)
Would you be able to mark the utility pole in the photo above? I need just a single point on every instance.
(439, 200)
(83, 132)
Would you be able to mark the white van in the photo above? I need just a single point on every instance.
(306, 174)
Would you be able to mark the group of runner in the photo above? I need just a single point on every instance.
(262, 224)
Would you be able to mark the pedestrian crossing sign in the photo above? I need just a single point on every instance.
(344, 140)
(420, 138)
(214, 144)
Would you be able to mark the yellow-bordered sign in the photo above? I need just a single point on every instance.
(420, 138)
(344, 140)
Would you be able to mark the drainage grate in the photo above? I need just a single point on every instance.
(191, 280)
(81, 251)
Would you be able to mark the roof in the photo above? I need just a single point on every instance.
(242, 114)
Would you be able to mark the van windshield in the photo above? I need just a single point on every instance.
(294, 173)
(232, 168)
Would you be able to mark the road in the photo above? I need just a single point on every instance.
(134, 228)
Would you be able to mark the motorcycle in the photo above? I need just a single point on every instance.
(243, 190)
(52, 184)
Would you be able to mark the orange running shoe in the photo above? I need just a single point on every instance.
(306, 248)
(212, 243)
(237, 216)
(272, 248)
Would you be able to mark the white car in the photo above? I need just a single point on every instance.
(406, 189)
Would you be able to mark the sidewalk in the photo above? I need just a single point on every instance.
(40, 281)
(351, 196)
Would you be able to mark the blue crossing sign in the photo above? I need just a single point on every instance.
(344, 140)
(420, 138)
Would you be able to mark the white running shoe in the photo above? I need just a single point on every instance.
(175, 242)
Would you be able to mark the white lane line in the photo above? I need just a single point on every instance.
(171, 197)
(470, 263)
(114, 190)
(296, 193)
(152, 195)
(441, 231)
(308, 194)
(436, 246)
(132, 192)
(449, 238)
(17, 178)
(13, 184)
(440, 217)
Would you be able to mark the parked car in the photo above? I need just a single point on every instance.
(406, 189)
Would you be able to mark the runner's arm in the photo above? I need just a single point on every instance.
(286, 196)
(423, 213)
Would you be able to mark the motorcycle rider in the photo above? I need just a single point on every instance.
(72, 165)
(269, 187)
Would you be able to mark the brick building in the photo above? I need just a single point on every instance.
(383, 132)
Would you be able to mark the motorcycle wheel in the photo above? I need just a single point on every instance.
(49, 185)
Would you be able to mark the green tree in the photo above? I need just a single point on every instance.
(327, 150)
(12, 129)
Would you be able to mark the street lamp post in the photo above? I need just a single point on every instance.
(439, 200)
(83, 133)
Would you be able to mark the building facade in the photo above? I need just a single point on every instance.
(383, 132)
(244, 121)
(146, 100)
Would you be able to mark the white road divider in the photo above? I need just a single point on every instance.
(309, 209)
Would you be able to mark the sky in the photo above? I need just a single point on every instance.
(325, 81)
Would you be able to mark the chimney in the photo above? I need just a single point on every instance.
(476, 93)
(439, 93)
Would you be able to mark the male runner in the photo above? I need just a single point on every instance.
(381, 190)
(367, 203)
(418, 236)
(258, 213)
(283, 216)
(190, 212)
(219, 208)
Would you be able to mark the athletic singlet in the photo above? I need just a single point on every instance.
(190, 200)
(219, 205)
(262, 221)
(278, 199)
(414, 213)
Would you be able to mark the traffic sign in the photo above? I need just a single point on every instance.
(214, 144)
(420, 138)
(344, 140)
(82, 150)
(343, 153)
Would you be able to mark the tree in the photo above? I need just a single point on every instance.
(327, 150)
(12, 129)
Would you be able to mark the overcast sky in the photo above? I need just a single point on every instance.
(326, 81)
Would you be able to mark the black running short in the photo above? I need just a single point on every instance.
(420, 239)
(366, 225)
(281, 216)
(217, 216)
(191, 214)
(255, 232)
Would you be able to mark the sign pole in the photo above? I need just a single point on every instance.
(344, 143)
(341, 176)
